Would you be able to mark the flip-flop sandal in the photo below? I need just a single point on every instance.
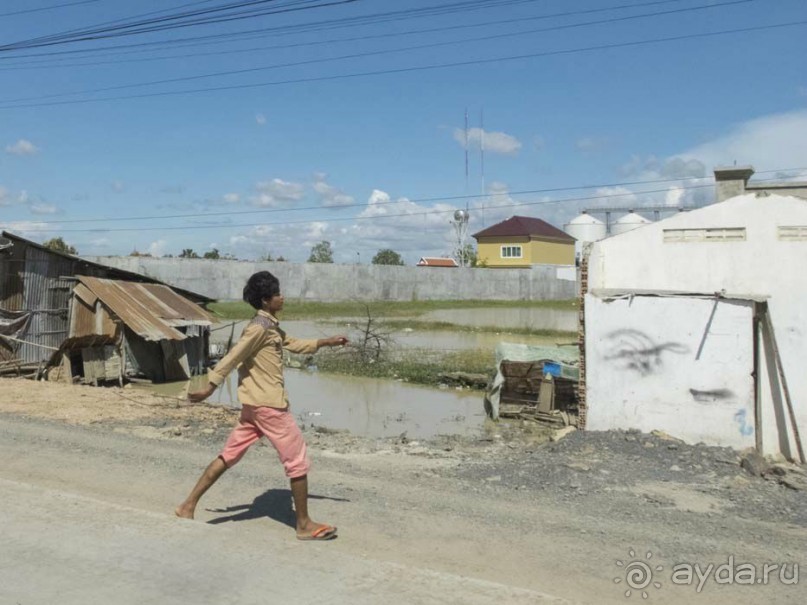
(326, 532)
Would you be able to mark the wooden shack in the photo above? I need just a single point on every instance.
(45, 314)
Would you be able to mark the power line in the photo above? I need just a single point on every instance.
(357, 218)
(375, 217)
(169, 22)
(47, 8)
(403, 201)
(390, 202)
(434, 66)
(49, 63)
(176, 21)
(381, 52)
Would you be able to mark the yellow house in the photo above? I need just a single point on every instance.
(522, 241)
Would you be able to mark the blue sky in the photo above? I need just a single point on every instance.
(321, 159)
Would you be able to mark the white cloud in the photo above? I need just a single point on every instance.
(315, 232)
(330, 195)
(611, 196)
(29, 229)
(493, 142)
(117, 186)
(260, 119)
(674, 196)
(43, 209)
(22, 147)
(293, 242)
(407, 227)
(770, 142)
(157, 248)
(277, 191)
(231, 198)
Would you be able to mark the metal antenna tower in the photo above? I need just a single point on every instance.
(460, 224)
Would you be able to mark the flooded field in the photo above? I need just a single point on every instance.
(535, 318)
(366, 407)
(384, 408)
(431, 339)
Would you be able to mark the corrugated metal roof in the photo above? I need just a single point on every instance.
(149, 310)
(524, 226)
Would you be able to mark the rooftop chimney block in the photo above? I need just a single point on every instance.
(731, 181)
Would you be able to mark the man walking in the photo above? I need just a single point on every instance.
(258, 356)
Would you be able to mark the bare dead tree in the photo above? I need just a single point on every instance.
(374, 339)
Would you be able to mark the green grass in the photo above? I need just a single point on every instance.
(295, 310)
(428, 326)
(414, 366)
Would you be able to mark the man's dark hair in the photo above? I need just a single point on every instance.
(259, 286)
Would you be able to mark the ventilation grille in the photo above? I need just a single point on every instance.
(796, 233)
(731, 234)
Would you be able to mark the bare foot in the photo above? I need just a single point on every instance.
(184, 512)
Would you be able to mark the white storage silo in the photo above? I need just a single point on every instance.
(585, 229)
(629, 222)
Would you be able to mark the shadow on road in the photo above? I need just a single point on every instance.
(273, 503)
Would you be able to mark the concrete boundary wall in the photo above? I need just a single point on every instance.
(224, 280)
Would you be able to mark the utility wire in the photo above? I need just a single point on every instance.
(402, 201)
(50, 63)
(434, 66)
(167, 23)
(362, 205)
(310, 27)
(365, 54)
(47, 8)
(358, 218)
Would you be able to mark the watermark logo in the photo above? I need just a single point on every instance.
(730, 572)
(638, 574)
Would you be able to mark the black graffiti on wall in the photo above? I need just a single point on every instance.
(634, 350)
(710, 396)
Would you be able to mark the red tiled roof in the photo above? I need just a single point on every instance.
(429, 261)
(524, 226)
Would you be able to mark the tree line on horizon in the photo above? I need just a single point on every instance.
(321, 252)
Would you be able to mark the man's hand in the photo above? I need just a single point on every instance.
(202, 394)
(333, 341)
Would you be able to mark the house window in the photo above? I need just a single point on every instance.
(795, 233)
(511, 251)
(729, 234)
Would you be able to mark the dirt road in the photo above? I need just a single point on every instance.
(91, 477)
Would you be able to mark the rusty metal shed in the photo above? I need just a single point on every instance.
(36, 293)
(152, 330)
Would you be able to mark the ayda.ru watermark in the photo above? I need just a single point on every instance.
(642, 576)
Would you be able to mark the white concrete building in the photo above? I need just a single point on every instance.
(676, 326)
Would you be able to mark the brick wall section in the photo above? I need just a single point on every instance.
(581, 338)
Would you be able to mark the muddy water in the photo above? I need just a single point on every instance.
(408, 339)
(529, 317)
(384, 408)
(364, 406)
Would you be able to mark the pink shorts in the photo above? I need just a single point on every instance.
(276, 425)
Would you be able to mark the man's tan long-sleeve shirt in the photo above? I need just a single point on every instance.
(258, 355)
